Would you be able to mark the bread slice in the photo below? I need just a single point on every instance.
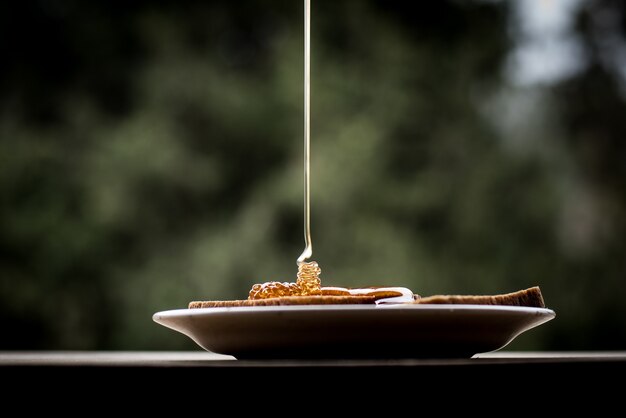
(286, 300)
(530, 297)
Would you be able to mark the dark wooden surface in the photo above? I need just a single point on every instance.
(201, 359)
(564, 381)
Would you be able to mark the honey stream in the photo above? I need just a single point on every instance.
(308, 281)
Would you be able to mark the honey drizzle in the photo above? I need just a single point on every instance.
(308, 272)
(308, 282)
(309, 278)
(308, 249)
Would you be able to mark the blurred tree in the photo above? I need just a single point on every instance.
(150, 154)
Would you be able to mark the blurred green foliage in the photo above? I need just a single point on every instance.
(151, 154)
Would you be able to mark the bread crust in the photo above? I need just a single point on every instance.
(530, 297)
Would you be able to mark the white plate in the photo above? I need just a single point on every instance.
(354, 331)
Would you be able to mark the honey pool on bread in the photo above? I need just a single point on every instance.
(308, 283)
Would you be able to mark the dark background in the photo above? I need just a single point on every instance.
(151, 154)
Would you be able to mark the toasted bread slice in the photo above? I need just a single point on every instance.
(530, 297)
(286, 300)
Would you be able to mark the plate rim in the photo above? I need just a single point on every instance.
(180, 312)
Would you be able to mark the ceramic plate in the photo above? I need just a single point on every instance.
(354, 331)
